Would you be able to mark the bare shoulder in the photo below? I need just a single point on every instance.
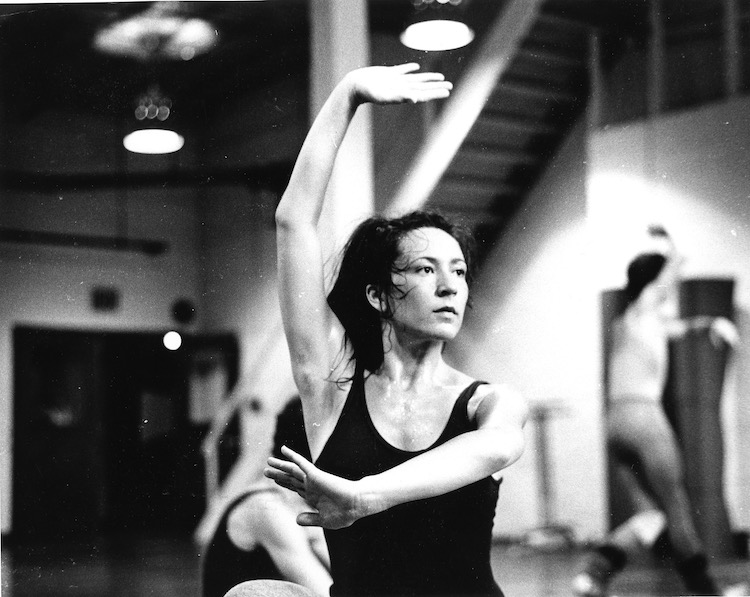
(499, 402)
(256, 506)
(245, 518)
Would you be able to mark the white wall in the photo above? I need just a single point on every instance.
(536, 319)
(689, 171)
(533, 327)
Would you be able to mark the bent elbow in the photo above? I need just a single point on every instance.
(282, 218)
(508, 449)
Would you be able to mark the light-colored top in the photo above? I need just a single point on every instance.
(639, 358)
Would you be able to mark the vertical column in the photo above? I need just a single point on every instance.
(697, 385)
(732, 47)
(596, 78)
(657, 59)
(340, 43)
(655, 77)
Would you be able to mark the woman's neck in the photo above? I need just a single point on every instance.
(413, 364)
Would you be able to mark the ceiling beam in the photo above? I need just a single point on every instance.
(465, 104)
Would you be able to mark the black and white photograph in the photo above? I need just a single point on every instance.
(384, 298)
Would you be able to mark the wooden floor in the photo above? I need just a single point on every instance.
(167, 566)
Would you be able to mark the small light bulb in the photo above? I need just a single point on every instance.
(172, 340)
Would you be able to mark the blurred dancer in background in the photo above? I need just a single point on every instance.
(640, 438)
(258, 537)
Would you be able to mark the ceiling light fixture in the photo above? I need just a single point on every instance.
(163, 31)
(437, 26)
(152, 135)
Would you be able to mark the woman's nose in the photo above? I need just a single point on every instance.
(446, 286)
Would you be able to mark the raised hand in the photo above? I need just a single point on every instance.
(336, 501)
(397, 84)
(723, 330)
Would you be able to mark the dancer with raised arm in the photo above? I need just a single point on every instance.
(640, 439)
(257, 537)
(406, 448)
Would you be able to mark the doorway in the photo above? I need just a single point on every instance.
(103, 436)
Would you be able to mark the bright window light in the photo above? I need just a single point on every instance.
(437, 35)
(153, 141)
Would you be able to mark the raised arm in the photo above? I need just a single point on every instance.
(720, 329)
(306, 316)
(497, 443)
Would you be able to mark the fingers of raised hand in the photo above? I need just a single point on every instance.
(429, 92)
(408, 67)
(401, 83)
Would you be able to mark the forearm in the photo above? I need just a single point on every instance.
(680, 327)
(459, 462)
(303, 199)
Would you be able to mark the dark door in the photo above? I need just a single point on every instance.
(103, 440)
(58, 471)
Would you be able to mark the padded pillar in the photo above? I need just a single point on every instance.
(694, 405)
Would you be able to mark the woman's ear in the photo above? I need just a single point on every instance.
(375, 298)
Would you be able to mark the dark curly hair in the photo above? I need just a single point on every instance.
(370, 257)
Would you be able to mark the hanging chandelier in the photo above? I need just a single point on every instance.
(163, 31)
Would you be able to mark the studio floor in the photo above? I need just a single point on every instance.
(167, 566)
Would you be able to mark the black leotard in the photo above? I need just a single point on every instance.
(430, 547)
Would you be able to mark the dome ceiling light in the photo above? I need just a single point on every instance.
(436, 25)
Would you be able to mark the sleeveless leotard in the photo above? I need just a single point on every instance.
(436, 546)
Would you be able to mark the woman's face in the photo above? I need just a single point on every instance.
(430, 285)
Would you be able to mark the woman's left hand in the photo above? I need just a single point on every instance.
(337, 501)
(397, 84)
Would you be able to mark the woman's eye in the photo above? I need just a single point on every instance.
(461, 272)
(427, 269)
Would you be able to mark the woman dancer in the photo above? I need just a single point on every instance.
(639, 435)
(405, 446)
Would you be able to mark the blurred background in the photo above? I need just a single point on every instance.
(573, 125)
